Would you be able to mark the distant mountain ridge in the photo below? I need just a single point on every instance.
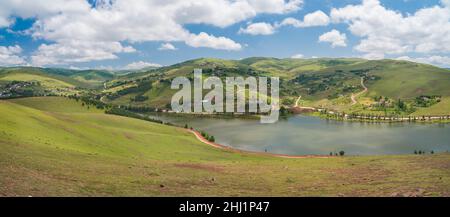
(245, 61)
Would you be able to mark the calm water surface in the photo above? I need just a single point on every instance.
(301, 135)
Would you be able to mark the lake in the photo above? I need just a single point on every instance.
(304, 135)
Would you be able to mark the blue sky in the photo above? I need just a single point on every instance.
(116, 35)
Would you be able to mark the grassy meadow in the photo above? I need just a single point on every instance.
(440, 108)
(54, 146)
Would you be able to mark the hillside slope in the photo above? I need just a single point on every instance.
(322, 83)
(57, 77)
(49, 151)
(395, 87)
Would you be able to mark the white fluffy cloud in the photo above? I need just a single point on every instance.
(297, 56)
(276, 6)
(387, 31)
(211, 41)
(317, 18)
(258, 29)
(334, 37)
(223, 13)
(67, 22)
(41, 8)
(167, 46)
(77, 51)
(140, 65)
(442, 61)
(10, 55)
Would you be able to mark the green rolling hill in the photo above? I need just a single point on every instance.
(54, 146)
(394, 87)
(322, 83)
(89, 78)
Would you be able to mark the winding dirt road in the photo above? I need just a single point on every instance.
(353, 97)
(216, 145)
(302, 107)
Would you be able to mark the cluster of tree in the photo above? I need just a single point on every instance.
(139, 98)
(284, 111)
(375, 117)
(319, 82)
(208, 137)
(401, 105)
(426, 101)
(138, 80)
(288, 101)
(422, 152)
(340, 153)
(165, 81)
(222, 71)
(140, 87)
(360, 72)
(331, 62)
(89, 100)
(350, 89)
(380, 99)
(139, 109)
(125, 113)
(117, 83)
(18, 89)
(22, 83)
(396, 107)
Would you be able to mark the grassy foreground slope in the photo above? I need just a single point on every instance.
(46, 150)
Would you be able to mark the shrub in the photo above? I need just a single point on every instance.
(122, 112)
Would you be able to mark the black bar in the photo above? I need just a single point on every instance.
(241, 206)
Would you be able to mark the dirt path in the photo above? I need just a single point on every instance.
(199, 136)
(296, 102)
(353, 97)
(302, 107)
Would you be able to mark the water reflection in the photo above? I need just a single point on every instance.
(300, 135)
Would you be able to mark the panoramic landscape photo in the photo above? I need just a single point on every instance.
(240, 98)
